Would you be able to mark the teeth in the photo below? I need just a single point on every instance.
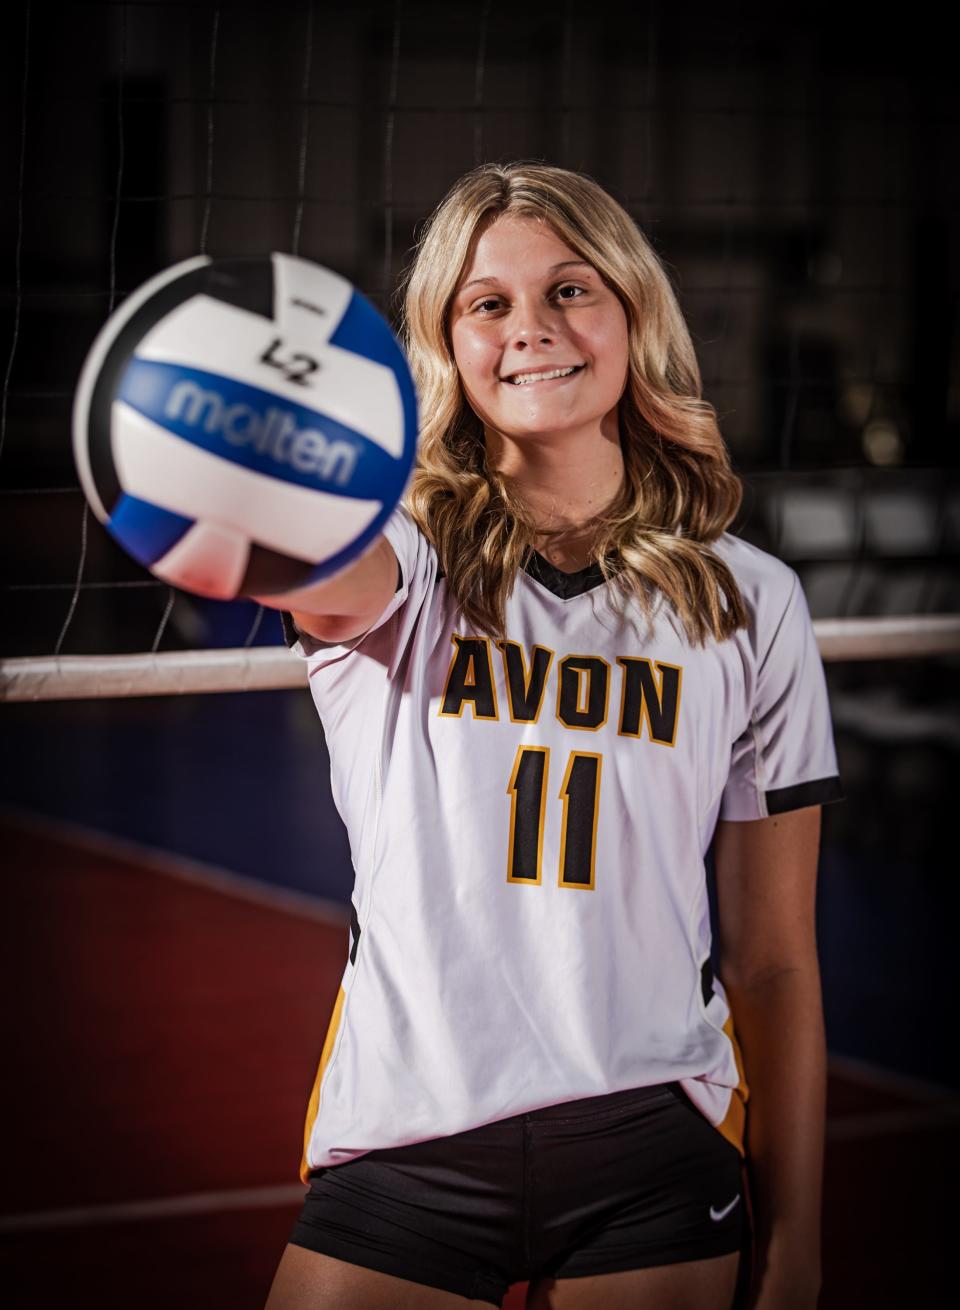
(519, 379)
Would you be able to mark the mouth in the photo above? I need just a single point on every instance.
(542, 375)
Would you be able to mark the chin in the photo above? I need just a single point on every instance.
(556, 427)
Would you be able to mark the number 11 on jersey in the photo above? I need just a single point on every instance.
(580, 795)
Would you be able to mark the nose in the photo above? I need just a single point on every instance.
(533, 325)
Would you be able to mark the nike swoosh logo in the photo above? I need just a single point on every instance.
(722, 1214)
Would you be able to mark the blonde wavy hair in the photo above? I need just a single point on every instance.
(679, 492)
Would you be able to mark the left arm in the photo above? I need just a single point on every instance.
(766, 873)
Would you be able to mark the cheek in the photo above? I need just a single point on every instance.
(471, 354)
(605, 337)
(616, 352)
(470, 358)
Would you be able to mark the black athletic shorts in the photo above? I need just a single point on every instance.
(592, 1186)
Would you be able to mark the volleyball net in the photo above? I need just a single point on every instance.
(779, 189)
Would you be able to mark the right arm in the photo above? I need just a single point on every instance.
(345, 605)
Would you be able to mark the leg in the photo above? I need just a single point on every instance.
(401, 1228)
(692, 1285)
(307, 1280)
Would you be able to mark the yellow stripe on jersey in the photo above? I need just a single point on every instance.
(314, 1105)
(733, 1125)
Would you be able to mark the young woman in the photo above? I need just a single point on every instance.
(549, 686)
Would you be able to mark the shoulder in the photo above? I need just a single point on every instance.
(763, 579)
(402, 521)
(402, 525)
(771, 590)
(410, 543)
(404, 534)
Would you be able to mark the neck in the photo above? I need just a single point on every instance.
(564, 483)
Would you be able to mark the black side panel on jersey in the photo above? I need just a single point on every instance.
(246, 283)
(354, 932)
(706, 981)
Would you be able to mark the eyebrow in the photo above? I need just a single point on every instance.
(555, 268)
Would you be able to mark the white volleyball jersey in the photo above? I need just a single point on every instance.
(528, 820)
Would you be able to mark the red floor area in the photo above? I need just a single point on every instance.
(161, 1041)
(164, 1036)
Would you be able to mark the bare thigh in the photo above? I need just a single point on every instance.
(693, 1285)
(307, 1280)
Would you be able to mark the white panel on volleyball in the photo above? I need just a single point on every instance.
(156, 466)
(209, 559)
(308, 298)
(221, 339)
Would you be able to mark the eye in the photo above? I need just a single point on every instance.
(487, 305)
(568, 287)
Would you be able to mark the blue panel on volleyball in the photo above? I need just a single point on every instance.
(260, 430)
(145, 530)
(363, 330)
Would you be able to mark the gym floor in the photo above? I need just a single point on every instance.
(176, 885)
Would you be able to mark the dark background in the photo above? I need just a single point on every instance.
(795, 169)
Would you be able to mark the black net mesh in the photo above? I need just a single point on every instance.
(793, 169)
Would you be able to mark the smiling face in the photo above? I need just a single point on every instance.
(539, 339)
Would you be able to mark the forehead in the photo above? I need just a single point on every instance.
(515, 244)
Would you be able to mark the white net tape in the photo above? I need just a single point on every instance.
(274, 668)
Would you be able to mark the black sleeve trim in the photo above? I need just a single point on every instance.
(822, 791)
(399, 578)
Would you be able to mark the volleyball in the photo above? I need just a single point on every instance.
(245, 426)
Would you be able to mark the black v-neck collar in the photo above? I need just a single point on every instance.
(564, 585)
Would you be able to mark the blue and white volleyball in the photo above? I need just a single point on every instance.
(245, 427)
